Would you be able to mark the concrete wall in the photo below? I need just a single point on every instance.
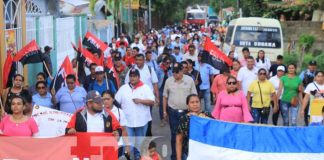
(294, 29)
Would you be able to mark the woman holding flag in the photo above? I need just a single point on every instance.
(182, 139)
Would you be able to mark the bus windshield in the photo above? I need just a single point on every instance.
(259, 37)
(191, 16)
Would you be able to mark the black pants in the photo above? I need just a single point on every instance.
(306, 116)
(149, 127)
(275, 116)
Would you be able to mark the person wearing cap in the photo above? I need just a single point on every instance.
(246, 53)
(275, 80)
(307, 77)
(102, 83)
(273, 68)
(177, 54)
(207, 73)
(176, 90)
(148, 75)
(135, 98)
(71, 97)
(48, 61)
(93, 117)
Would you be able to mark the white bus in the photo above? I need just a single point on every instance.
(256, 34)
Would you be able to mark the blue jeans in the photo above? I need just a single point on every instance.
(206, 96)
(284, 108)
(258, 117)
(136, 136)
(174, 117)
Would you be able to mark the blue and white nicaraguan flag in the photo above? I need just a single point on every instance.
(218, 140)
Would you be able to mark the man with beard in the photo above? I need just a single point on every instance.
(93, 118)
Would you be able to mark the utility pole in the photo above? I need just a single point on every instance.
(150, 15)
(239, 7)
(130, 17)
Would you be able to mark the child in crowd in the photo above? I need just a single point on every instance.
(321, 123)
(151, 153)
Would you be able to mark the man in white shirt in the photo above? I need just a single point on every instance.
(135, 99)
(275, 80)
(138, 44)
(192, 54)
(247, 74)
(149, 77)
(314, 90)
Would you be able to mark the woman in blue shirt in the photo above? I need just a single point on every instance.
(42, 97)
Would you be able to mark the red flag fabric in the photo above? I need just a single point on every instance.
(94, 43)
(29, 54)
(65, 69)
(6, 70)
(213, 50)
(94, 146)
(91, 58)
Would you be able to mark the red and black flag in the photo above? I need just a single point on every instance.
(65, 69)
(9, 70)
(94, 44)
(29, 54)
(215, 57)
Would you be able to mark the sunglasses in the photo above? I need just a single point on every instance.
(231, 83)
(43, 87)
(69, 82)
(262, 73)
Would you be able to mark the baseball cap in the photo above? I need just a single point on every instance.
(94, 96)
(176, 67)
(281, 68)
(312, 63)
(99, 69)
(134, 72)
(47, 48)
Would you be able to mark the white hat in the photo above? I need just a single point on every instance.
(281, 68)
(99, 69)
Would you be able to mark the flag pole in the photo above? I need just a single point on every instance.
(47, 70)
(106, 81)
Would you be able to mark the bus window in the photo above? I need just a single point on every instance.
(260, 37)
(195, 16)
(229, 34)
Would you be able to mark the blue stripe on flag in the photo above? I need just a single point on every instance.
(257, 138)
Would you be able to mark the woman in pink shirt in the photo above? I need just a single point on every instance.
(18, 124)
(231, 104)
(235, 68)
(219, 83)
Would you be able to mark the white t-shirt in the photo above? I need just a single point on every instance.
(266, 65)
(246, 77)
(95, 123)
(139, 45)
(137, 115)
(319, 89)
(147, 77)
(275, 82)
(120, 116)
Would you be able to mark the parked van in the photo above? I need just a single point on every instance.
(256, 34)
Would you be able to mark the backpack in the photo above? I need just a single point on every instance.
(307, 79)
